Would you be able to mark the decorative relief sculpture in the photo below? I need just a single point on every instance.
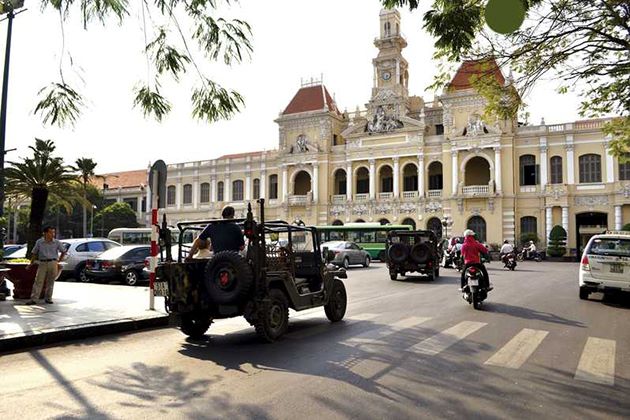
(626, 191)
(302, 145)
(433, 207)
(337, 210)
(383, 208)
(382, 123)
(360, 209)
(407, 208)
(475, 126)
(591, 200)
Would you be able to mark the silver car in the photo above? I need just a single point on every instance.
(347, 253)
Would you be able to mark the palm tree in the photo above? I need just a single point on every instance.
(85, 167)
(39, 178)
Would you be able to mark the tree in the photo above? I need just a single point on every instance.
(39, 178)
(115, 216)
(85, 167)
(169, 49)
(557, 241)
(585, 44)
(626, 227)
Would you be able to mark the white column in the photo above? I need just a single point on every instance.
(396, 178)
(548, 223)
(372, 179)
(497, 169)
(263, 184)
(227, 189)
(610, 163)
(315, 183)
(454, 172)
(213, 190)
(178, 194)
(139, 208)
(421, 176)
(618, 218)
(285, 183)
(565, 219)
(543, 164)
(349, 182)
(570, 160)
(248, 186)
(195, 195)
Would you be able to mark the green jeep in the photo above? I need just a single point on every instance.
(281, 268)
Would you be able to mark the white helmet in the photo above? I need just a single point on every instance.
(469, 232)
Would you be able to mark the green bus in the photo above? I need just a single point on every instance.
(369, 236)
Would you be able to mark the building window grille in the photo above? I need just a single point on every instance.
(256, 189)
(478, 225)
(624, 168)
(529, 170)
(204, 192)
(187, 194)
(590, 168)
(170, 195)
(529, 224)
(220, 190)
(237, 190)
(556, 170)
(273, 187)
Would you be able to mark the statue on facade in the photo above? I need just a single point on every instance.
(381, 123)
(475, 126)
(302, 145)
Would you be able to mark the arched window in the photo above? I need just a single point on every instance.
(204, 192)
(435, 176)
(187, 194)
(220, 191)
(624, 168)
(273, 187)
(256, 189)
(435, 225)
(170, 195)
(529, 224)
(237, 190)
(410, 222)
(363, 181)
(387, 179)
(590, 168)
(478, 225)
(302, 183)
(410, 177)
(384, 221)
(556, 170)
(359, 221)
(337, 223)
(528, 170)
(339, 187)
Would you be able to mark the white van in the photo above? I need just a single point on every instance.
(605, 265)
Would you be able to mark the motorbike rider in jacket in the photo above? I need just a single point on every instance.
(471, 251)
(506, 249)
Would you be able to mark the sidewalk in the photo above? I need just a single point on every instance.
(80, 310)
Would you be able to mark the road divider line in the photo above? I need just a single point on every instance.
(445, 339)
(518, 349)
(597, 363)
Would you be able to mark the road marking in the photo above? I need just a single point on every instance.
(441, 341)
(375, 335)
(518, 349)
(320, 328)
(597, 363)
(369, 368)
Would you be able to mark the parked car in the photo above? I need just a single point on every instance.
(605, 265)
(347, 253)
(78, 251)
(7, 250)
(124, 263)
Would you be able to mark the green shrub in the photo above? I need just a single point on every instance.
(626, 227)
(556, 246)
(529, 236)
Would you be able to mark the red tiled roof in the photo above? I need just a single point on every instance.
(121, 179)
(461, 80)
(310, 98)
(241, 155)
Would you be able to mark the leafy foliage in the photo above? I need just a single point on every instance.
(626, 227)
(556, 246)
(584, 44)
(529, 236)
(114, 216)
(168, 53)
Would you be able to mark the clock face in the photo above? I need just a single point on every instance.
(386, 75)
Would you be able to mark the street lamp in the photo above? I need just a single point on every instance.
(446, 223)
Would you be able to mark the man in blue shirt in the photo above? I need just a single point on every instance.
(223, 236)
(48, 252)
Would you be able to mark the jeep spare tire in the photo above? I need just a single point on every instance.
(420, 253)
(228, 278)
(398, 253)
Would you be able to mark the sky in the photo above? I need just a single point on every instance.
(292, 40)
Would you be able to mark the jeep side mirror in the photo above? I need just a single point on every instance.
(328, 254)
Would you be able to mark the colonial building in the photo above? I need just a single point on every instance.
(404, 160)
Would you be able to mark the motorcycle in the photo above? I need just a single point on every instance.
(509, 261)
(447, 258)
(531, 256)
(458, 261)
(473, 292)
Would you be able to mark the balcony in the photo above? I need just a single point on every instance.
(473, 190)
(361, 197)
(409, 195)
(385, 195)
(339, 199)
(298, 200)
(434, 193)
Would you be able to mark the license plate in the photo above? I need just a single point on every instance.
(160, 288)
(473, 282)
(616, 268)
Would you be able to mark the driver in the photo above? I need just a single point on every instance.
(471, 251)
(530, 251)
(506, 249)
(222, 236)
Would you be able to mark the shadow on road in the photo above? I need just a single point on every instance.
(526, 313)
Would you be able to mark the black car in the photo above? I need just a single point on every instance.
(124, 263)
(413, 251)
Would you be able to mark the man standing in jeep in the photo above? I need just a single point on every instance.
(223, 236)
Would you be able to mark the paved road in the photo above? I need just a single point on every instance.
(407, 349)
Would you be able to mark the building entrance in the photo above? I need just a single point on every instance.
(587, 225)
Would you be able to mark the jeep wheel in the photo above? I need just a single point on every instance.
(273, 318)
(420, 253)
(393, 276)
(346, 263)
(366, 263)
(398, 253)
(336, 307)
(195, 325)
(228, 278)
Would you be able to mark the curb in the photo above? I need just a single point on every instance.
(32, 339)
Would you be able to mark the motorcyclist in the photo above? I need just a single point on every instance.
(506, 249)
(530, 251)
(471, 251)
